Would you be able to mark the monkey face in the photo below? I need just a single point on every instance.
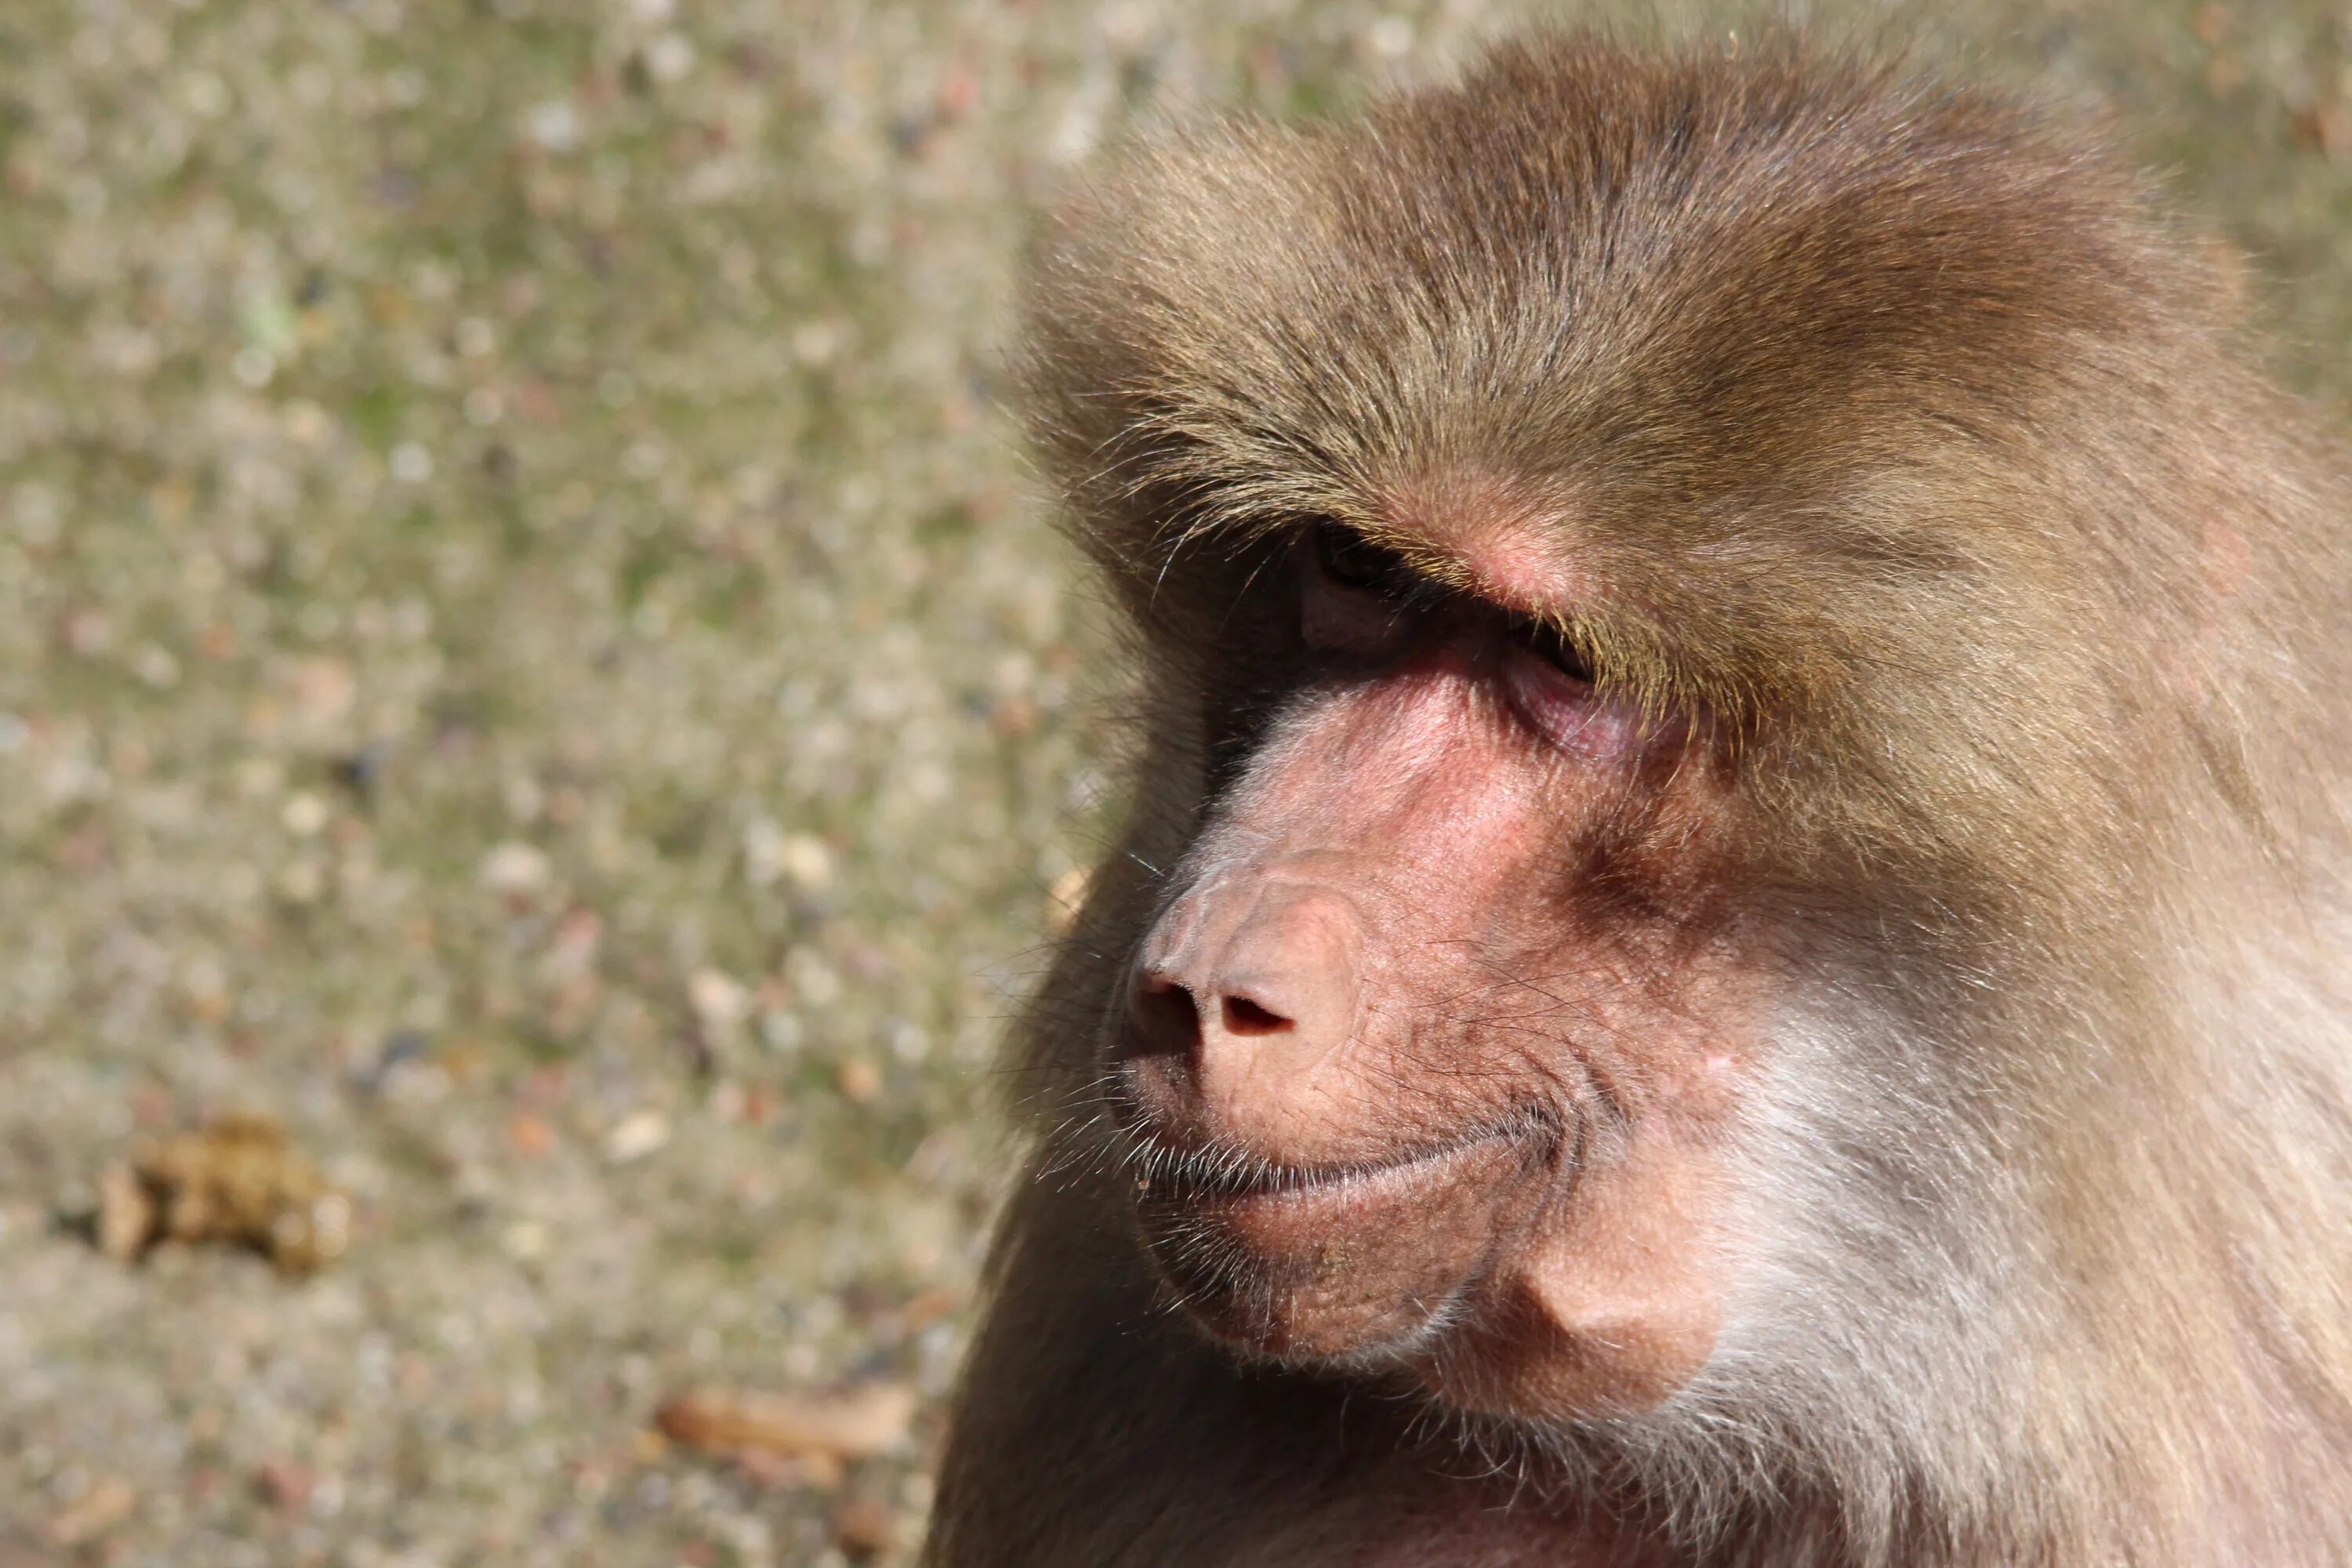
(1431, 1055)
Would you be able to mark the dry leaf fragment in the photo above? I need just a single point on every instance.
(237, 1181)
(857, 1424)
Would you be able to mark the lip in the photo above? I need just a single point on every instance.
(1273, 1183)
(1275, 1212)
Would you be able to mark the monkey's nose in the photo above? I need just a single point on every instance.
(1171, 1018)
(1241, 989)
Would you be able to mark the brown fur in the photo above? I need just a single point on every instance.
(1926, 465)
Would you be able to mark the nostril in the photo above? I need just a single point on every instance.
(1244, 1016)
(1165, 1019)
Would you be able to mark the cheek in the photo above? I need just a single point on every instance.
(1610, 1297)
(1612, 1304)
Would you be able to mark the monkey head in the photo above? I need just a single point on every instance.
(1634, 559)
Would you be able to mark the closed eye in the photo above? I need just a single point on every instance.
(1350, 561)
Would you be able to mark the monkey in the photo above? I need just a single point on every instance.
(1730, 945)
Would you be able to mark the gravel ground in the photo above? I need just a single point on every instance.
(528, 656)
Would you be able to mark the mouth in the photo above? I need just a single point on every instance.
(1336, 1259)
(1166, 1173)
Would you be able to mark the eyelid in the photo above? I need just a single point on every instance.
(1355, 561)
(1555, 645)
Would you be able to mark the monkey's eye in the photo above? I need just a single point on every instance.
(1354, 597)
(1351, 561)
(1557, 648)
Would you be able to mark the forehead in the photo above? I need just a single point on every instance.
(1575, 267)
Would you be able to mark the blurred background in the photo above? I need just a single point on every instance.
(531, 669)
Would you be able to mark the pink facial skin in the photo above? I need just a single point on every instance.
(1433, 1057)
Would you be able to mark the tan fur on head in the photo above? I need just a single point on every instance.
(1887, 437)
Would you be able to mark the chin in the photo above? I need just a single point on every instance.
(1352, 1265)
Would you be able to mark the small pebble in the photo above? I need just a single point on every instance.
(515, 869)
(635, 1136)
